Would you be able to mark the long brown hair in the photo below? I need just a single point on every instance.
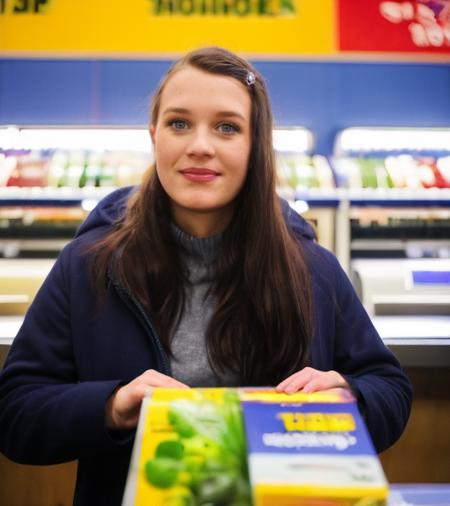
(262, 321)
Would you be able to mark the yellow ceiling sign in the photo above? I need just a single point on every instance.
(283, 27)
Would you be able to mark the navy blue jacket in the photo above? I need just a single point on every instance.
(71, 353)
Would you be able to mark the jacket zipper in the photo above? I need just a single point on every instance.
(138, 310)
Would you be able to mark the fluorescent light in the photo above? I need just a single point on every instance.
(9, 137)
(89, 139)
(392, 139)
(293, 140)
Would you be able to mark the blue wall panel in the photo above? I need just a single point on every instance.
(125, 89)
(327, 97)
(45, 91)
(324, 96)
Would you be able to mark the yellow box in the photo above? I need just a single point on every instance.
(238, 447)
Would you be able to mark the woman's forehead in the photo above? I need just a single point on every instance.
(190, 87)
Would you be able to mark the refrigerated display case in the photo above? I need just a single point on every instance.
(395, 234)
(50, 178)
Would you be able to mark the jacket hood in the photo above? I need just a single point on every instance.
(296, 222)
(108, 210)
(112, 207)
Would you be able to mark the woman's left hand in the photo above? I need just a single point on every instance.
(311, 380)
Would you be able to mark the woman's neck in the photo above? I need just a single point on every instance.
(202, 223)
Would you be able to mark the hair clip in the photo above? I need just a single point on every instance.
(250, 78)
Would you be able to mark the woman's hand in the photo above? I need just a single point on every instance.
(122, 408)
(312, 380)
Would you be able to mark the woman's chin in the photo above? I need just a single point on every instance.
(201, 205)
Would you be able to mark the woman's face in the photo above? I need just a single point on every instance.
(202, 141)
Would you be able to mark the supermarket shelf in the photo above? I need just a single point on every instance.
(393, 197)
(59, 197)
(382, 197)
(315, 197)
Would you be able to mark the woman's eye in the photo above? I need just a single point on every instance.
(178, 124)
(228, 128)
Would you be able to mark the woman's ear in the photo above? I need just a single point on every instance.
(152, 133)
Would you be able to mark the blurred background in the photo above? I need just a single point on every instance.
(361, 100)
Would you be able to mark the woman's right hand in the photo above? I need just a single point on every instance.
(122, 408)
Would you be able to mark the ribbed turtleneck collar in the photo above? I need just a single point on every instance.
(201, 248)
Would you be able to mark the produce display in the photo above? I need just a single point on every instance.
(71, 168)
(298, 171)
(243, 447)
(395, 171)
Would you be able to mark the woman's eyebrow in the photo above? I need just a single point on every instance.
(221, 114)
(176, 110)
(230, 114)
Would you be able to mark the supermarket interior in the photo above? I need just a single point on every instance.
(361, 103)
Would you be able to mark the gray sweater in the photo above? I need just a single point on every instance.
(190, 363)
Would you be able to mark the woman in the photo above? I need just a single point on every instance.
(202, 276)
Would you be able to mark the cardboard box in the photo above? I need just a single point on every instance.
(191, 449)
(310, 449)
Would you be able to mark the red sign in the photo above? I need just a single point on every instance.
(375, 25)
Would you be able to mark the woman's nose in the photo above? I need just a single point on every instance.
(201, 143)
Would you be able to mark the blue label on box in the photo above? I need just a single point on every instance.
(321, 428)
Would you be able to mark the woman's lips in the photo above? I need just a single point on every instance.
(199, 175)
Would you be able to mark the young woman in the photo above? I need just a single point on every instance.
(202, 276)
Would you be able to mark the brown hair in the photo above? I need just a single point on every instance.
(261, 325)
